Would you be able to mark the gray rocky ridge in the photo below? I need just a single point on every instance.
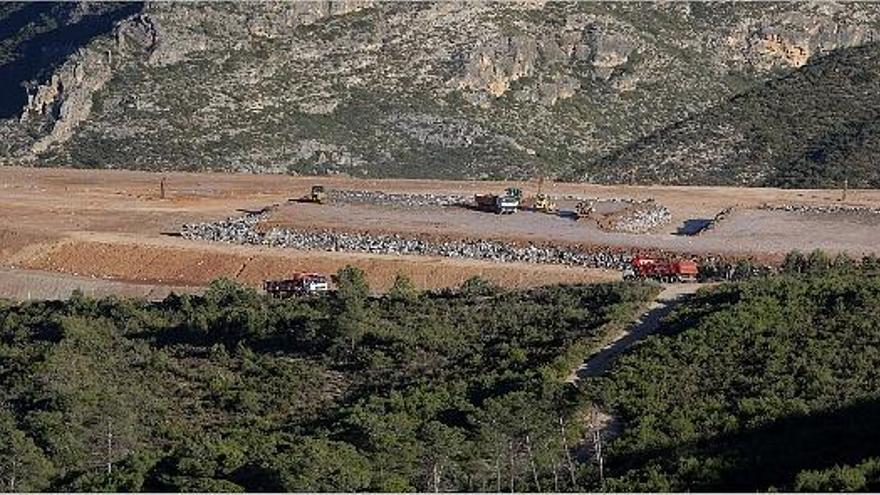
(421, 89)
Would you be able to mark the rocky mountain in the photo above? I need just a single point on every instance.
(598, 91)
(817, 126)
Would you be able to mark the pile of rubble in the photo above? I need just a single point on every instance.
(859, 210)
(639, 219)
(407, 200)
(242, 230)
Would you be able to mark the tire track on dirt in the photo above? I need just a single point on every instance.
(244, 266)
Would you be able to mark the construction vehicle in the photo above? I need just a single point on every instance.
(542, 201)
(585, 209)
(661, 270)
(299, 283)
(317, 195)
(514, 192)
(500, 205)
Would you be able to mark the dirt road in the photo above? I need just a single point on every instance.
(27, 285)
(648, 323)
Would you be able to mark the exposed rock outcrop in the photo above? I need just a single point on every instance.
(442, 89)
(66, 99)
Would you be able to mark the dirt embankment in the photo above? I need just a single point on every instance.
(196, 264)
(27, 285)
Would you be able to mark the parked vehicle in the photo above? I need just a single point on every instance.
(298, 284)
(661, 270)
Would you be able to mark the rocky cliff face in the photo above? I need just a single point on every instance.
(463, 90)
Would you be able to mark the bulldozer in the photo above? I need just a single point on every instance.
(542, 201)
(585, 209)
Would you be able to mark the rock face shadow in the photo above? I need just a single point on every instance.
(40, 55)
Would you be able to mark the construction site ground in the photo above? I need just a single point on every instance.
(110, 230)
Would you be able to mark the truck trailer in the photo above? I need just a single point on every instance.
(661, 270)
(297, 284)
(501, 205)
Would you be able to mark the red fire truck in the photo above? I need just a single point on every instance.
(661, 270)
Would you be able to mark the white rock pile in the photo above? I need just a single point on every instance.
(241, 230)
(641, 219)
(406, 200)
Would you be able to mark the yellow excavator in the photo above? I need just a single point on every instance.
(542, 202)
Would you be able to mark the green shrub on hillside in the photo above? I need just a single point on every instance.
(764, 384)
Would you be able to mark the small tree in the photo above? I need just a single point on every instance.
(794, 262)
(818, 262)
(351, 285)
(23, 467)
(477, 286)
(403, 289)
(843, 263)
(351, 293)
(870, 263)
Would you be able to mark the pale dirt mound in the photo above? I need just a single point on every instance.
(198, 265)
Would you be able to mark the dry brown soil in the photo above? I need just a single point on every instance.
(111, 226)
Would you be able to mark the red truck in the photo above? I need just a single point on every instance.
(661, 270)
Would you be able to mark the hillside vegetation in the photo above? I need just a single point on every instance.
(665, 92)
(814, 127)
(769, 383)
(235, 391)
(766, 384)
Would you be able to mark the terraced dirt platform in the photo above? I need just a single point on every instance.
(113, 226)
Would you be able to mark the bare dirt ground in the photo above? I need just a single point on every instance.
(26, 285)
(747, 230)
(111, 227)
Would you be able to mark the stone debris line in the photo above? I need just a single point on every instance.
(397, 199)
(595, 199)
(861, 210)
(381, 198)
(242, 230)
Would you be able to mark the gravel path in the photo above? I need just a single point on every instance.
(648, 323)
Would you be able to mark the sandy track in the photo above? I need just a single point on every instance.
(112, 224)
(26, 285)
(647, 324)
